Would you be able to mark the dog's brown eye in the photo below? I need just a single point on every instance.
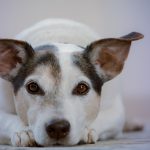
(33, 88)
(81, 89)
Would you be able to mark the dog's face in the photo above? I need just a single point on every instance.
(57, 87)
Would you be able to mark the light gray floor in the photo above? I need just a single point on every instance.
(134, 141)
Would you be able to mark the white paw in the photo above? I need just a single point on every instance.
(90, 136)
(23, 138)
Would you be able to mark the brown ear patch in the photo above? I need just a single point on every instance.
(111, 53)
(109, 63)
(12, 53)
(8, 60)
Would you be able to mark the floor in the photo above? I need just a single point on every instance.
(135, 141)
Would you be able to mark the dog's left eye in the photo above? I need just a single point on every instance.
(33, 88)
(81, 89)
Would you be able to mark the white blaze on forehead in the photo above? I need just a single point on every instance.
(65, 58)
(70, 74)
(68, 48)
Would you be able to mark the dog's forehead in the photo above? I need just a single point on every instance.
(55, 63)
(63, 62)
(66, 62)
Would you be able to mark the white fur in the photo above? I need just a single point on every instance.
(58, 30)
(108, 123)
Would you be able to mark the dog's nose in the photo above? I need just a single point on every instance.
(58, 129)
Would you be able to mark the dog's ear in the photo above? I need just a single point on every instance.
(109, 55)
(13, 54)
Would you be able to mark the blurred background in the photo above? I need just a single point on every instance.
(110, 18)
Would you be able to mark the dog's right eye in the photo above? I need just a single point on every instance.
(81, 89)
(33, 88)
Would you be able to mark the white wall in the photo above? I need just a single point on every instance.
(111, 18)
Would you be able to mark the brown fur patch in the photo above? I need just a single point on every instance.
(110, 54)
(9, 55)
(8, 60)
(109, 62)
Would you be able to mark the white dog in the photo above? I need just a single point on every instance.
(58, 91)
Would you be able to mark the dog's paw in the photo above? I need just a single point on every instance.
(23, 138)
(90, 136)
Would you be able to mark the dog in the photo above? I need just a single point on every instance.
(61, 85)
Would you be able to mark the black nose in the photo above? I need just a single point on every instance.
(58, 129)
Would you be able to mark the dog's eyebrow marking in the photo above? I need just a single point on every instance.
(48, 59)
(51, 60)
(83, 63)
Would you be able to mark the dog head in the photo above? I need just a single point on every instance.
(57, 87)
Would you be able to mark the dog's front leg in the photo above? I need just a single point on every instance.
(13, 132)
(108, 124)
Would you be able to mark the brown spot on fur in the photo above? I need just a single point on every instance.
(109, 62)
(9, 56)
(8, 60)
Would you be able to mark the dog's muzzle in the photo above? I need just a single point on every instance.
(58, 129)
